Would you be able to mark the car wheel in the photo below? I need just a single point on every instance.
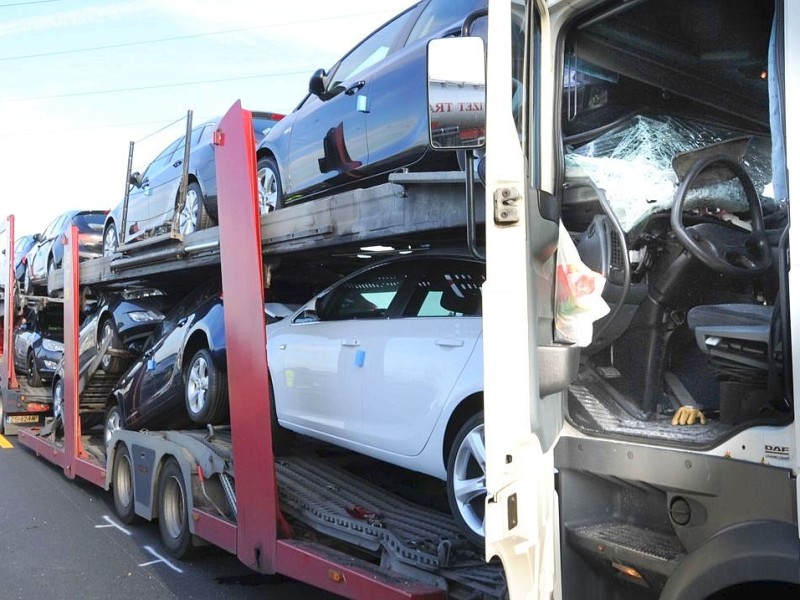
(466, 479)
(122, 485)
(109, 339)
(113, 422)
(270, 191)
(58, 399)
(193, 215)
(110, 240)
(173, 510)
(2, 418)
(206, 390)
(34, 377)
(282, 438)
(51, 288)
(27, 286)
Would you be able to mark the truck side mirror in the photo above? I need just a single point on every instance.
(318, 83)
(456, 93)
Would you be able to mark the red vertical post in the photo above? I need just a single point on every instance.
(72, 423)
(245, 333)
(7, 366)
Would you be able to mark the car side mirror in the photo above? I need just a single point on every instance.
(37, 237)
(318, 83)
(135, 179)
(456, 93)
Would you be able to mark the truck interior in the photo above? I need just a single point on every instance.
(670, 191)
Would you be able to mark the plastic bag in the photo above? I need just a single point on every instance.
(579, 300)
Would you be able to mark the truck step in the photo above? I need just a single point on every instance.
(630, 545)
(411, 537)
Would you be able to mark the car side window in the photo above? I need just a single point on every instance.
(448, 288)
(369, 296)
(52, 229)
(162, 159)
(370, 52)
(441, 13)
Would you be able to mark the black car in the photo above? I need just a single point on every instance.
(39, 344)
(364, 117)
(180, 379)
(153, 194)
(47, 253)
(22, 246)
(114, 329)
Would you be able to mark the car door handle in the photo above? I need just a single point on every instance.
(177, 163)
(181, 322)
(351, 343)
(355, 87)
(449, 342)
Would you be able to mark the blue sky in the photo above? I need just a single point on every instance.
(80, 79)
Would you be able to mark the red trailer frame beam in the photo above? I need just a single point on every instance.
(8, 374)
(246, 339)
(73, 459)
(257, 545)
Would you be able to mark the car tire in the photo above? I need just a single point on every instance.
(282, 438)
(27, 286)
(51, 289)
(58, 399)
(34, 377)
(205, 390)
(2, 418)
(110, 240)
(112, 422)
(122, 485)
(270, 190)
(194, 215)
(110, 364)
(466, 479)
(173, 510)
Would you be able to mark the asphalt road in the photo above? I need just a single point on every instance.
(61, 540)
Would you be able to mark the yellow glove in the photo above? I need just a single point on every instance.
(687, 415)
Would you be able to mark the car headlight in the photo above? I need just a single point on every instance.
(52, 346)
(143, 316)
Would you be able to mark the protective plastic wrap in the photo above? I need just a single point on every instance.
(633, 166)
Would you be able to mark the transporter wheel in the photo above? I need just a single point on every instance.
(122, 485)
(2, 418)
(205, 390)
(34, 377)
(270, 191)
(466, 479)
(173, 511)
(193, 216)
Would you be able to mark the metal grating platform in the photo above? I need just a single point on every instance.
(336, 503)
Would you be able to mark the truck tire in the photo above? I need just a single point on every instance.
(270, 190)
(173, 510)
(122, 486)
(2, 418)
(108, 333)
(205, 390)
(466, 479)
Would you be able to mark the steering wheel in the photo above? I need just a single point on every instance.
(721, 247)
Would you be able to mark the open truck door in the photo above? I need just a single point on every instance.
(526, 371)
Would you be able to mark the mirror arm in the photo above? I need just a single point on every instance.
(471, 18)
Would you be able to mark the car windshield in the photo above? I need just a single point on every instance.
(632, 164)
(90, 222)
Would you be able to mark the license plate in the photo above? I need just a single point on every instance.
(23, 418)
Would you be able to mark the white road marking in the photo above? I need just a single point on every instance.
(160, 559)
(111, 523)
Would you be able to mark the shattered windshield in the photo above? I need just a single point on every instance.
(632, 164)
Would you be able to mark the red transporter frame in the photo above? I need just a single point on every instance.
(254, 539)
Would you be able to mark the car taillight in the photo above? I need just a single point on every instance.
(37, 407)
